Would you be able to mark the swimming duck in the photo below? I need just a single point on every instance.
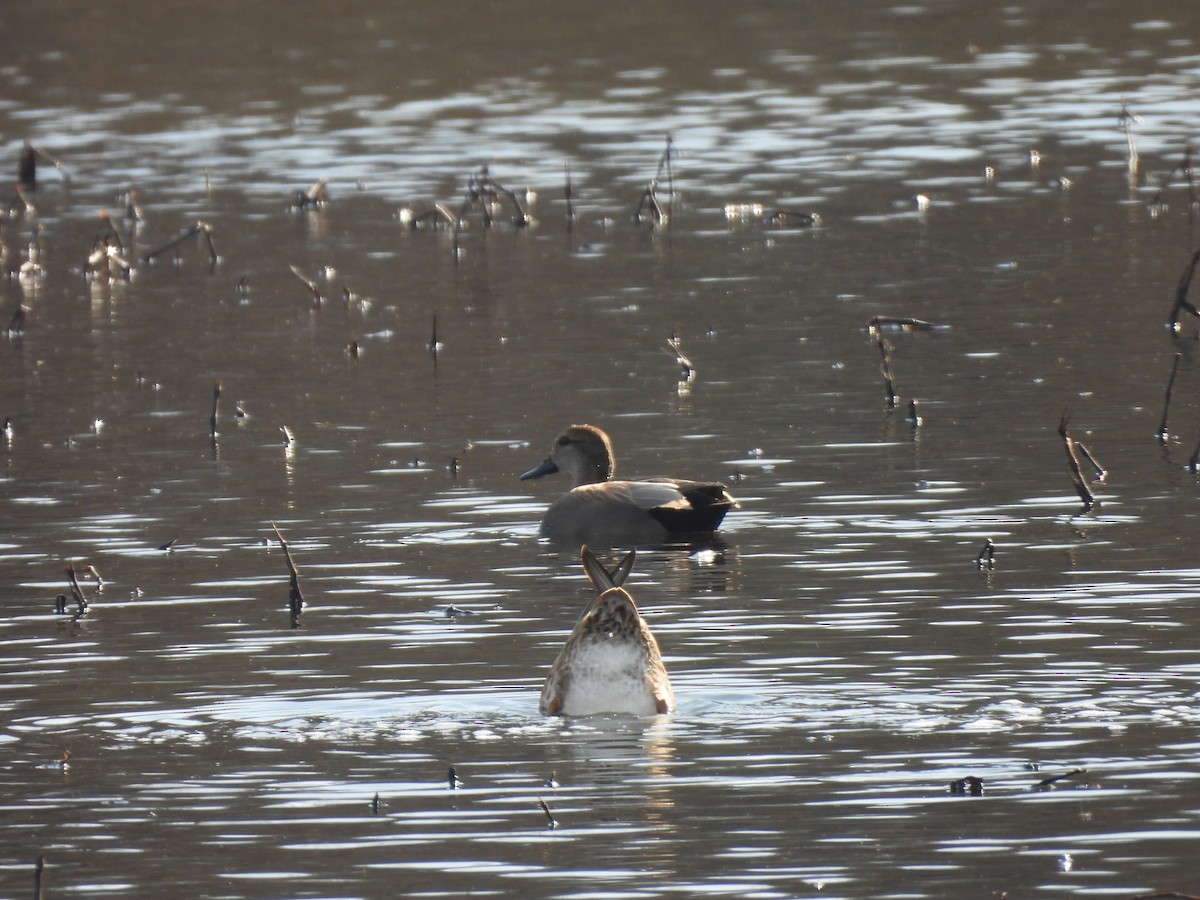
(600, 511)
(611, 662)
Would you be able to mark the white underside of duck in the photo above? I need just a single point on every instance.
(608, 676)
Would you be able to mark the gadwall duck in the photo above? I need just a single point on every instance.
(610, 662)
(600, 511)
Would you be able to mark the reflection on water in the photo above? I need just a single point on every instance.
(840, 659)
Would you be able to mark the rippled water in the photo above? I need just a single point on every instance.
(838, 657)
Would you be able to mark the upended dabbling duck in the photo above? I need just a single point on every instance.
(610, 663)
(601, 511)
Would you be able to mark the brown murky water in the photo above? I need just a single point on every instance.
(838, 657)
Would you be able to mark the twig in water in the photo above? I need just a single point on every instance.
(1128, 120)
(1099, 473)
(483, 193)
(885, 366)
(133, 208)
(440, 212)
(200, 228)
(1181, 290)
(38, 864)
(212, 420)
(1162, 425)
(91, 570)
(107, 233)
(20, 203)
(76, 590)
(1046, 782)
(664, 162)
(1158, 204)
(314, 198)
(1194, 462)
(108, 251)
(1070, 445)
(902, 323)
(27, 165)
(649, 200)
(312, 286)
(972, 785)
(687, 371)
(295, 596)
(434, 346)
(16, 325)
(914, 417)
(569, 195)
(793, 218)
(550, 821)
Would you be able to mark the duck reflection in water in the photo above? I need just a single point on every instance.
(601, 511)
(611, 662)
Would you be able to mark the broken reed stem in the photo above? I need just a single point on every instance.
(649, 200)
(295, 596)
(568, 193)
(1128, 120)
(27, 165)
(1181, 291)
(1191, 183)
(550, 821)
(76, 590)
(1070, 445)
(313, 287)
(1162, 425)
(212, 420)
(434, 344)
(1194, 462)
(198, 228)
(1159, 201)
(483, 190)
(902, 323)
(1100, 473)
(666, 162)
(1046, 782)
(885, 366)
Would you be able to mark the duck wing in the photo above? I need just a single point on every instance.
(694, 505)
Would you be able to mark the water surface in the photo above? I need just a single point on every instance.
(838, 657)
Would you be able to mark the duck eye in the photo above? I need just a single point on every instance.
(563, 441)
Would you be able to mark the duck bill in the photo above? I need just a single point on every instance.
(547, 467)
